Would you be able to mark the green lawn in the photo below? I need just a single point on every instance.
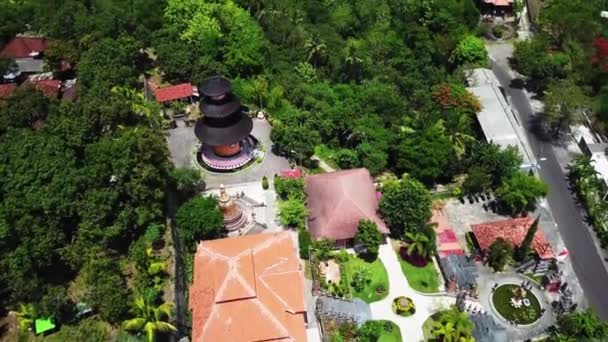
(393, 336)
(524, 315)
(378, 274)
(422, 279)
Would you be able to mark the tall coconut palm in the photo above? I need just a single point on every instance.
(138, 103)
(459, 319)
(150, 320)
(316, 48)
(418, 243)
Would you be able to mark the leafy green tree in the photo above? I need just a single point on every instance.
(186, 181)
(296, 142)
(24, 107)
(106, 289)
(322, 248)
(565, 105)
(580, 325)
(289, 187)
(470, 51)
(532, 58)
(199, 219)
(477, 181)
(370, 331)
(347, 159)
(405, 206)
(520, 191)
(56, 303)
(499, 254)
(426, 155)
(372, 158)
(523, 250)
(150, 320)
(91, 329)
(292, 212)
(496, 161)
(369, 236)
(361, 279)
(26, 314)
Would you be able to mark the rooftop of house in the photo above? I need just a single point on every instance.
(174, 92)
(498, 122)
(7, 89)
(25, 47)
(337, 201)
(499, 2)
(248, 288)
(460, 269)
(50, 88)
(513, 231)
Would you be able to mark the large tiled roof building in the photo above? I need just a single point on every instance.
(248, 288)
(337, 201)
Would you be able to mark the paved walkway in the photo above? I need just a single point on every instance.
(426, 305)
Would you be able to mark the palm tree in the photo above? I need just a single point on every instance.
(418, 243)
(26, 314)
(466, 339)
(445, 331)
(138, 103)
(150, 320)
(315, 48)
(460, 320)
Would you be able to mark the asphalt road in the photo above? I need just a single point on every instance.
(587, 262)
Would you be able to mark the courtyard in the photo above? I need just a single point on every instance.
(183, 145)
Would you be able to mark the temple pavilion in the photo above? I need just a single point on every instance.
(224, 129)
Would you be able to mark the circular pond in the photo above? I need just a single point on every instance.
(515, 304)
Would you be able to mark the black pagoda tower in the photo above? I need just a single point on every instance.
(224, 127)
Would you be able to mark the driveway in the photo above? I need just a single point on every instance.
(426, 305)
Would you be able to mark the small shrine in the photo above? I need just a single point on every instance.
(239, 214)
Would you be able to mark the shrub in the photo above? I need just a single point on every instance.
(403, 306)
(361, 278)
(347, 159)
(265, 183)
(304, 243)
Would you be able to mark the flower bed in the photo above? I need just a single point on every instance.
(526, 314)
(404, 306)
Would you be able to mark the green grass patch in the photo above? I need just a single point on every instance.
(378, 278)
(422, 279)
(394, 335)
(524, 315)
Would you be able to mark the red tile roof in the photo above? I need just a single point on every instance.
(171, 93)
(338, 200)
(248, 288)
(21, 47)
(50, 88)
(7, 89)
(513, 231)
(293, 173)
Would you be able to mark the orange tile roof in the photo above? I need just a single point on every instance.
(513, 231)
(338, 200)
(248, 288)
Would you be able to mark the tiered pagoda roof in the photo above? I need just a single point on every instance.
(223, 122)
